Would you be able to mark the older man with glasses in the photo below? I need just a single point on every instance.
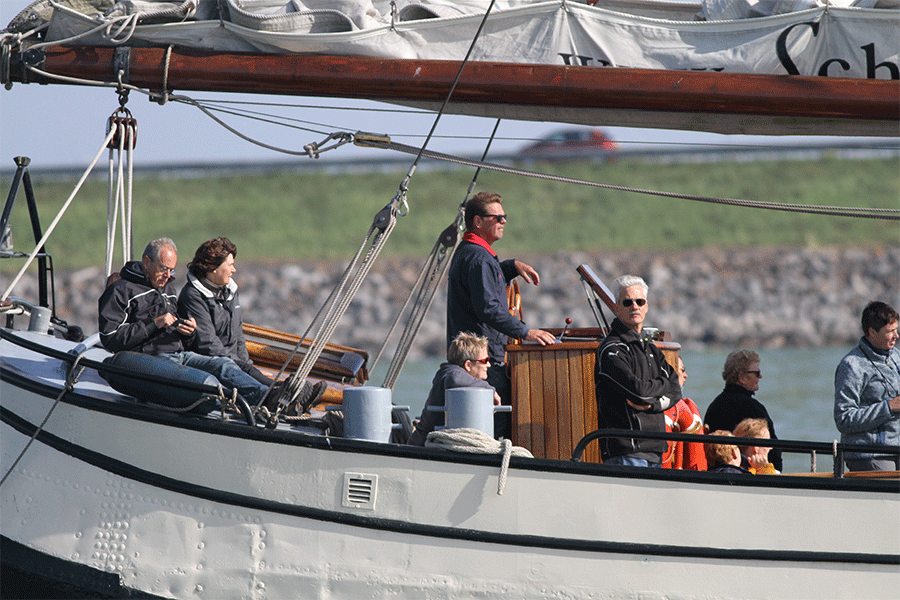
(138, 313)
(476, 294)
(635, 384)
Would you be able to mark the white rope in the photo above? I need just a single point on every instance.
(59, 215)
(118, 197)
(128, 208)
(111, 214)
(125, 20)
(338, 302)
(475, 441)
(112, 206)
(430, 278)
(123, 198)
(377, 237)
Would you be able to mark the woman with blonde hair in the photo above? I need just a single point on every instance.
(467, 366)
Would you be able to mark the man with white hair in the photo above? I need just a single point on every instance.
(634, 382)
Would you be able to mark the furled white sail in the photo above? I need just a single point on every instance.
(840, 38)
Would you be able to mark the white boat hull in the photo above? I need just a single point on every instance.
(187, 507)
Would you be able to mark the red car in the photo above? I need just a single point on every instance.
(572, 143)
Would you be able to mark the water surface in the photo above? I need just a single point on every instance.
(797, 388)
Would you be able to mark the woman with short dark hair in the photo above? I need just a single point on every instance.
(467, 366)
(210, 296)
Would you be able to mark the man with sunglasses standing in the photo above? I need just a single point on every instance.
(634, 382)
(138, 313)
(476, 294)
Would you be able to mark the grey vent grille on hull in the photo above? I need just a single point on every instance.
(360, 490)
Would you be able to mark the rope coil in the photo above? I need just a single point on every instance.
(475, 441)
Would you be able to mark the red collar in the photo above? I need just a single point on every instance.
(477, 239)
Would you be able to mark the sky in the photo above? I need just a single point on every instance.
(63, 126)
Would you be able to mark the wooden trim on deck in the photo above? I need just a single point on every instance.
(554, 402)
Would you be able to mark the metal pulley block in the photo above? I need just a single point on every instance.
(122, 120)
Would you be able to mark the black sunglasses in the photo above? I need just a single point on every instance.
(627, 302)
(498, 217)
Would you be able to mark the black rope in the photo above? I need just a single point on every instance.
(452, 88)
(71, 379)
(887, 214)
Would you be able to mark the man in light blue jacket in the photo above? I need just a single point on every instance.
(867, 391)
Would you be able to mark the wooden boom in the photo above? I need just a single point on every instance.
(725, 102)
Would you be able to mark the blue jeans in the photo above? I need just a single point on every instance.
(225, 370)
(629, 461)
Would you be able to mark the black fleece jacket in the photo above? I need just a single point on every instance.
(127, 309)
(630, 367)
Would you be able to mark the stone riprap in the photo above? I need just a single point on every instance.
(754, 297)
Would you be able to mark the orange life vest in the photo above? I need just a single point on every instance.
(684, 417)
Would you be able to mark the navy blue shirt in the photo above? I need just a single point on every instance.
(476, 298)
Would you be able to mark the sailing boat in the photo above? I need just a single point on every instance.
(120, 498)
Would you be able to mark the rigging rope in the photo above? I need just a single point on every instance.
(430, 277)
(59, 215)
(118, 197)
(839, 211)
(381, 229)
(340, 298)
(891, 214)
(71, 380)
(462, 66)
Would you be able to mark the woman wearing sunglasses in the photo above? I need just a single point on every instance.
(467, 366)
(736, 402)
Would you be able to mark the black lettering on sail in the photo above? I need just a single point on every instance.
(781, 50)
(871, 67)
(823, 70)
(582, 61)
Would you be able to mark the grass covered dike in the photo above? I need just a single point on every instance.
(291, 217)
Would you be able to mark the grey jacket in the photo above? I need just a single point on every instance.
(864, 383)
(218, 316)
(448, 376)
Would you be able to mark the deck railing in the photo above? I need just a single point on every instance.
(835, 449)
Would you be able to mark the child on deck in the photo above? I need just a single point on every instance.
(723, 458)
(755, 458)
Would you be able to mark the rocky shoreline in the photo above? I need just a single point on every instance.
(753, 297)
